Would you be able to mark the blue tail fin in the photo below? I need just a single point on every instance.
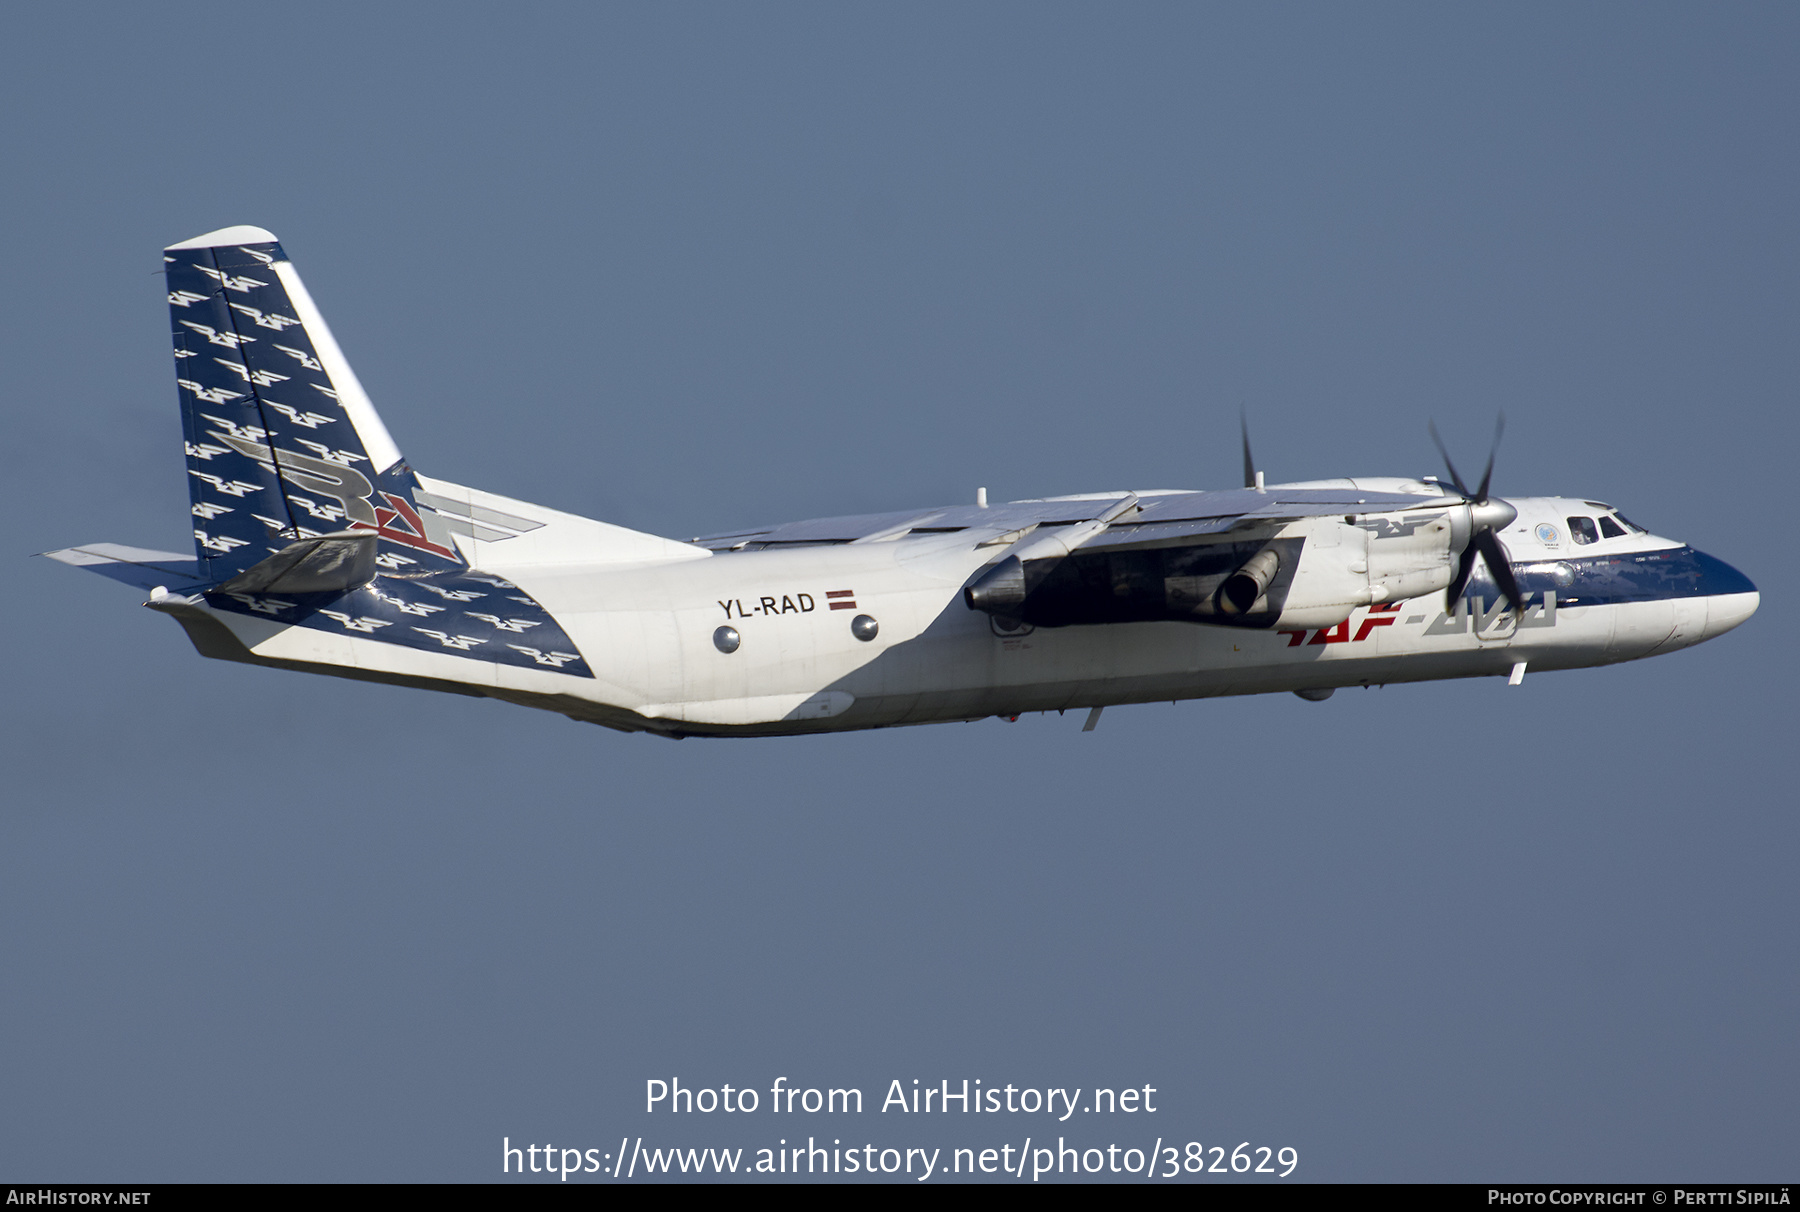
(282, 442)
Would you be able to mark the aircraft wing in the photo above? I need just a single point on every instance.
(1159, 516)
(1169, 519)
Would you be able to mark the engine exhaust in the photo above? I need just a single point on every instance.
(1239, 593)
(1001, 590)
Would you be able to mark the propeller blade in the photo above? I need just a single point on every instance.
(1483, 517)
(1443, 450)
(1454, 594)
(1249, 463)
(1501, 568)
(1499, 428)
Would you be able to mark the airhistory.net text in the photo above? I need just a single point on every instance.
(967, 1097)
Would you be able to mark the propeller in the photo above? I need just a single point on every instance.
(1486, 515)
(1251, 478)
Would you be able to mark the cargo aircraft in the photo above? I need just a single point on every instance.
(317, 547)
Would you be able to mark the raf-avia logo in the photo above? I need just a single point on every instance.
(397, 522)
(1497, 619)
(1379, 616)
(402, 525)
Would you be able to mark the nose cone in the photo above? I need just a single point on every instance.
(1724, 613)
(1730, 597)
(1493, 513)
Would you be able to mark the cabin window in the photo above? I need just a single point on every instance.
(1582, 530)
(1630, 525)
(1611, 529)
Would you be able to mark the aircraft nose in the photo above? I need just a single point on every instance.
(1724, 613)
(1730, 596)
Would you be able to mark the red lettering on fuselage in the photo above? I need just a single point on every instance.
(1379, 616)
(1332, 635)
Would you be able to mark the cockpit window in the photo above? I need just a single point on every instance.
(1611, 529)
(1582, 530)
(1628, 524)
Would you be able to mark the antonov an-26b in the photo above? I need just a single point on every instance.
(317, 547)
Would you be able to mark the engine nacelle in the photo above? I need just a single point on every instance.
(1384, 558)
(1333, 576)
(1412, 555)
(1312, 572)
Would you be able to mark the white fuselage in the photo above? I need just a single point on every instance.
(648, 633)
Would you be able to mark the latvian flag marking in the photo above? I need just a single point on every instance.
(841, 599)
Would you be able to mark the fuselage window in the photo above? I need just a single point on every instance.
(1611, 529)
(1582, 530)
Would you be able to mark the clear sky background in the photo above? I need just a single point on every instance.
(690, 267)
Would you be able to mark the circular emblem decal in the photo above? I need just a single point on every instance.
(1547, 533)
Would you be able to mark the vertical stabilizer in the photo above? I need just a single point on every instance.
(282, 442)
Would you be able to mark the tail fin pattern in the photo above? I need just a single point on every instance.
(283, 446)
(282, 442)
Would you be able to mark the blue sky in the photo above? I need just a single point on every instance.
(691, 267)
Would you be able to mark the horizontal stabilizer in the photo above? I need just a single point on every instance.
(331, 563)
(135, 566)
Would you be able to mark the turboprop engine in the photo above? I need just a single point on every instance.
(1395, 556)
(1306, 572)
(1297, 571)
